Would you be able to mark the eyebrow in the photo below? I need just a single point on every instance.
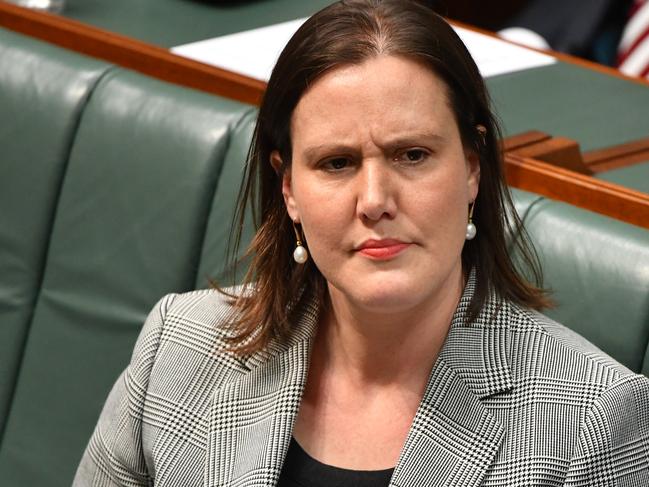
(312, 152)
(412, 139)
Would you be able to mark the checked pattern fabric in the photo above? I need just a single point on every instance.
(514, 399)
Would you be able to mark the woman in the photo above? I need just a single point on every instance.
(383, 335)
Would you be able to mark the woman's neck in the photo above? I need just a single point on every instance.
(378, 349)
(367, 376)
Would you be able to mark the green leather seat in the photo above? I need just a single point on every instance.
(214, 257)
(598, 268)
(524, 201)
(139, 188)
(43, 91)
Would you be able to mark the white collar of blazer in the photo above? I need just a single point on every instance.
(453, 437)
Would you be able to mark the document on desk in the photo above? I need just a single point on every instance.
(253, 52)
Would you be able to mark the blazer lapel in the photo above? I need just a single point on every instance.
(454, 438)
(251, 419)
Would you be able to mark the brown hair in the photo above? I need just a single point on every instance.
(350, 32)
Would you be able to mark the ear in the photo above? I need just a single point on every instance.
(276, 161)
(287, 189)
(473, 173)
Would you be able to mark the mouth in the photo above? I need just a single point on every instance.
(382, 249)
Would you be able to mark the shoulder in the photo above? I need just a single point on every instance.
(580, 407)
(181, 356)
(191, 327)
(560, 367)
(541, 347)
(164, 392)
(205, 308)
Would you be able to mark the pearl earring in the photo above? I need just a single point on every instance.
(470, 227)
(300, 254)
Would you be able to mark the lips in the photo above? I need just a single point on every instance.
(382, 249)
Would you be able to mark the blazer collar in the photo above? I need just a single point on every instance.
(453, 438)
(251, 418)
(478, 351)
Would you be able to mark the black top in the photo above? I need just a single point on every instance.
(300, 470)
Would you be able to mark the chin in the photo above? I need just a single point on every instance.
(388, 297)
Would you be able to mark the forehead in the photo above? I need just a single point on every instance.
(383, 94)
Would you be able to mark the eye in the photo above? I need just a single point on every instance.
(336, 164)
(412, 156)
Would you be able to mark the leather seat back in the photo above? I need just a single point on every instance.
(43, 91)
(598, 268)
(129, 227)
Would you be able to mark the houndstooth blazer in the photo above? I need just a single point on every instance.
(514, 399)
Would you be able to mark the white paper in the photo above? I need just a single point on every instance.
(253, 52)
(495, 56)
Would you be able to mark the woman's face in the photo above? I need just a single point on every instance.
(381, 183)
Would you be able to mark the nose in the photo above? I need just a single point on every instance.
(376, 192)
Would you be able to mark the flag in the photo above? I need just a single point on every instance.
(633, 50)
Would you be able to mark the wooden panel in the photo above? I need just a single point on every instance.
(577, 189)
(131, 53)
(559, 151)
(518, 141)
(564, 152)
(618, 156)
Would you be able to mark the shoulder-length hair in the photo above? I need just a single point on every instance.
(346, 33)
